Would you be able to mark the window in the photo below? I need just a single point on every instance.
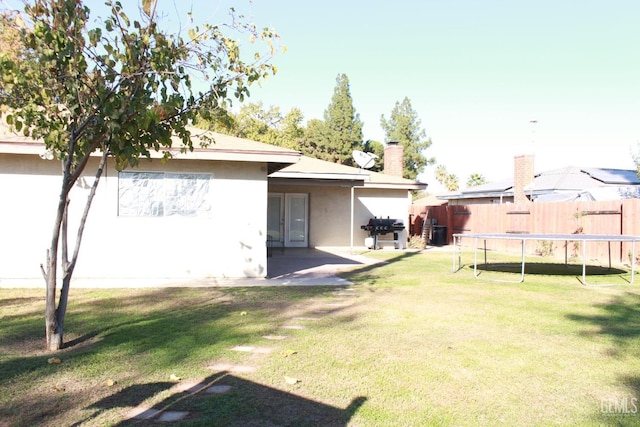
(164, 194)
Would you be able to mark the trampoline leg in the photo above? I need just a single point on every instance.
(633, 260)
(522, 268)
(475, 257)
(584, 262)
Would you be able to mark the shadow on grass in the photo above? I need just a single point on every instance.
(549, 268)
(223, 399)
(618, 320)
(620, 276)
(144, 330)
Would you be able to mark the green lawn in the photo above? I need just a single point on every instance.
(411, 343)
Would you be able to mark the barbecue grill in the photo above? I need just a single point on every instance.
(383, 226)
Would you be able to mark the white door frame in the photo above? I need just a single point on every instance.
(275, 229)
(293, 221)
(296, 220)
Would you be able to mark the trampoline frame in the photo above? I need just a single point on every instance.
(584, 238)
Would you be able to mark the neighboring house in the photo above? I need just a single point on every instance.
(558, 185)
(200, 215)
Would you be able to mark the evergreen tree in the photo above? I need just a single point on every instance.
(376, 148)
(341, 131)
(314, 140)
(403, 126)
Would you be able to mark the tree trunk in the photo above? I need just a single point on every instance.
(52, 331)
(55, 316)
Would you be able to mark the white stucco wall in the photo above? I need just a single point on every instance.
(228, 242)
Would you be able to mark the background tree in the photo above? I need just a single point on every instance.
(291, 129)
(450, 181)
(635, 155)
(377, 148)
(403, 126)
(476, 179)
(255, 122)
(341, 131)
(122, 89)
(10, 30)
(315, 140)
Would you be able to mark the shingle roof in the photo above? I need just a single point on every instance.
(310, 168)
(223, 147)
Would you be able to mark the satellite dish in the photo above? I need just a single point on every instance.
(364, 160)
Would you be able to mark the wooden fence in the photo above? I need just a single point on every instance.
(620, 217)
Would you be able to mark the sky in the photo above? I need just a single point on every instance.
(489, 79)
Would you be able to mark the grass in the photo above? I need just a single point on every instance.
(411, 343)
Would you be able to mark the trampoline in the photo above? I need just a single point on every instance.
(584, 238)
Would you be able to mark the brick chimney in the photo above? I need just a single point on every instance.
(523, 175)
(394, 159)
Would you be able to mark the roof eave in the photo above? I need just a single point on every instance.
(319, 175)
(396, 186)
(268, 156)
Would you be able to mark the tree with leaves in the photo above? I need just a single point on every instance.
(121, 90)
(404, 127)
(10, 29)
(255, 122)
(450, 181)
(476, 179)
(335, 138)
(377, 148)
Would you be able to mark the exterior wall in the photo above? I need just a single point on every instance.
(330, 211)
(227, 242)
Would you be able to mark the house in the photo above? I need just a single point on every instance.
(564, 184)
(322, 204)
(206, 214)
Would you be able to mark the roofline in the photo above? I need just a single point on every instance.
(224, 154)
(397, 186)
(319, 175)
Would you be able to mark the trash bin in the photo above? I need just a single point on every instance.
(439, 235)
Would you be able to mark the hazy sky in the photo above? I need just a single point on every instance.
(477, 72)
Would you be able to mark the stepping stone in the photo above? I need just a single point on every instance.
(275, 337)
(306, 318)
(188, 386)
(218, 389)
(345, 294)
(142, 413)
(243, 348)
(232, 368)
(338, 304)
(251, 349)
(172, 416)
(297, 327)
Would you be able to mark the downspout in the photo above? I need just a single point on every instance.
(352, 216)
